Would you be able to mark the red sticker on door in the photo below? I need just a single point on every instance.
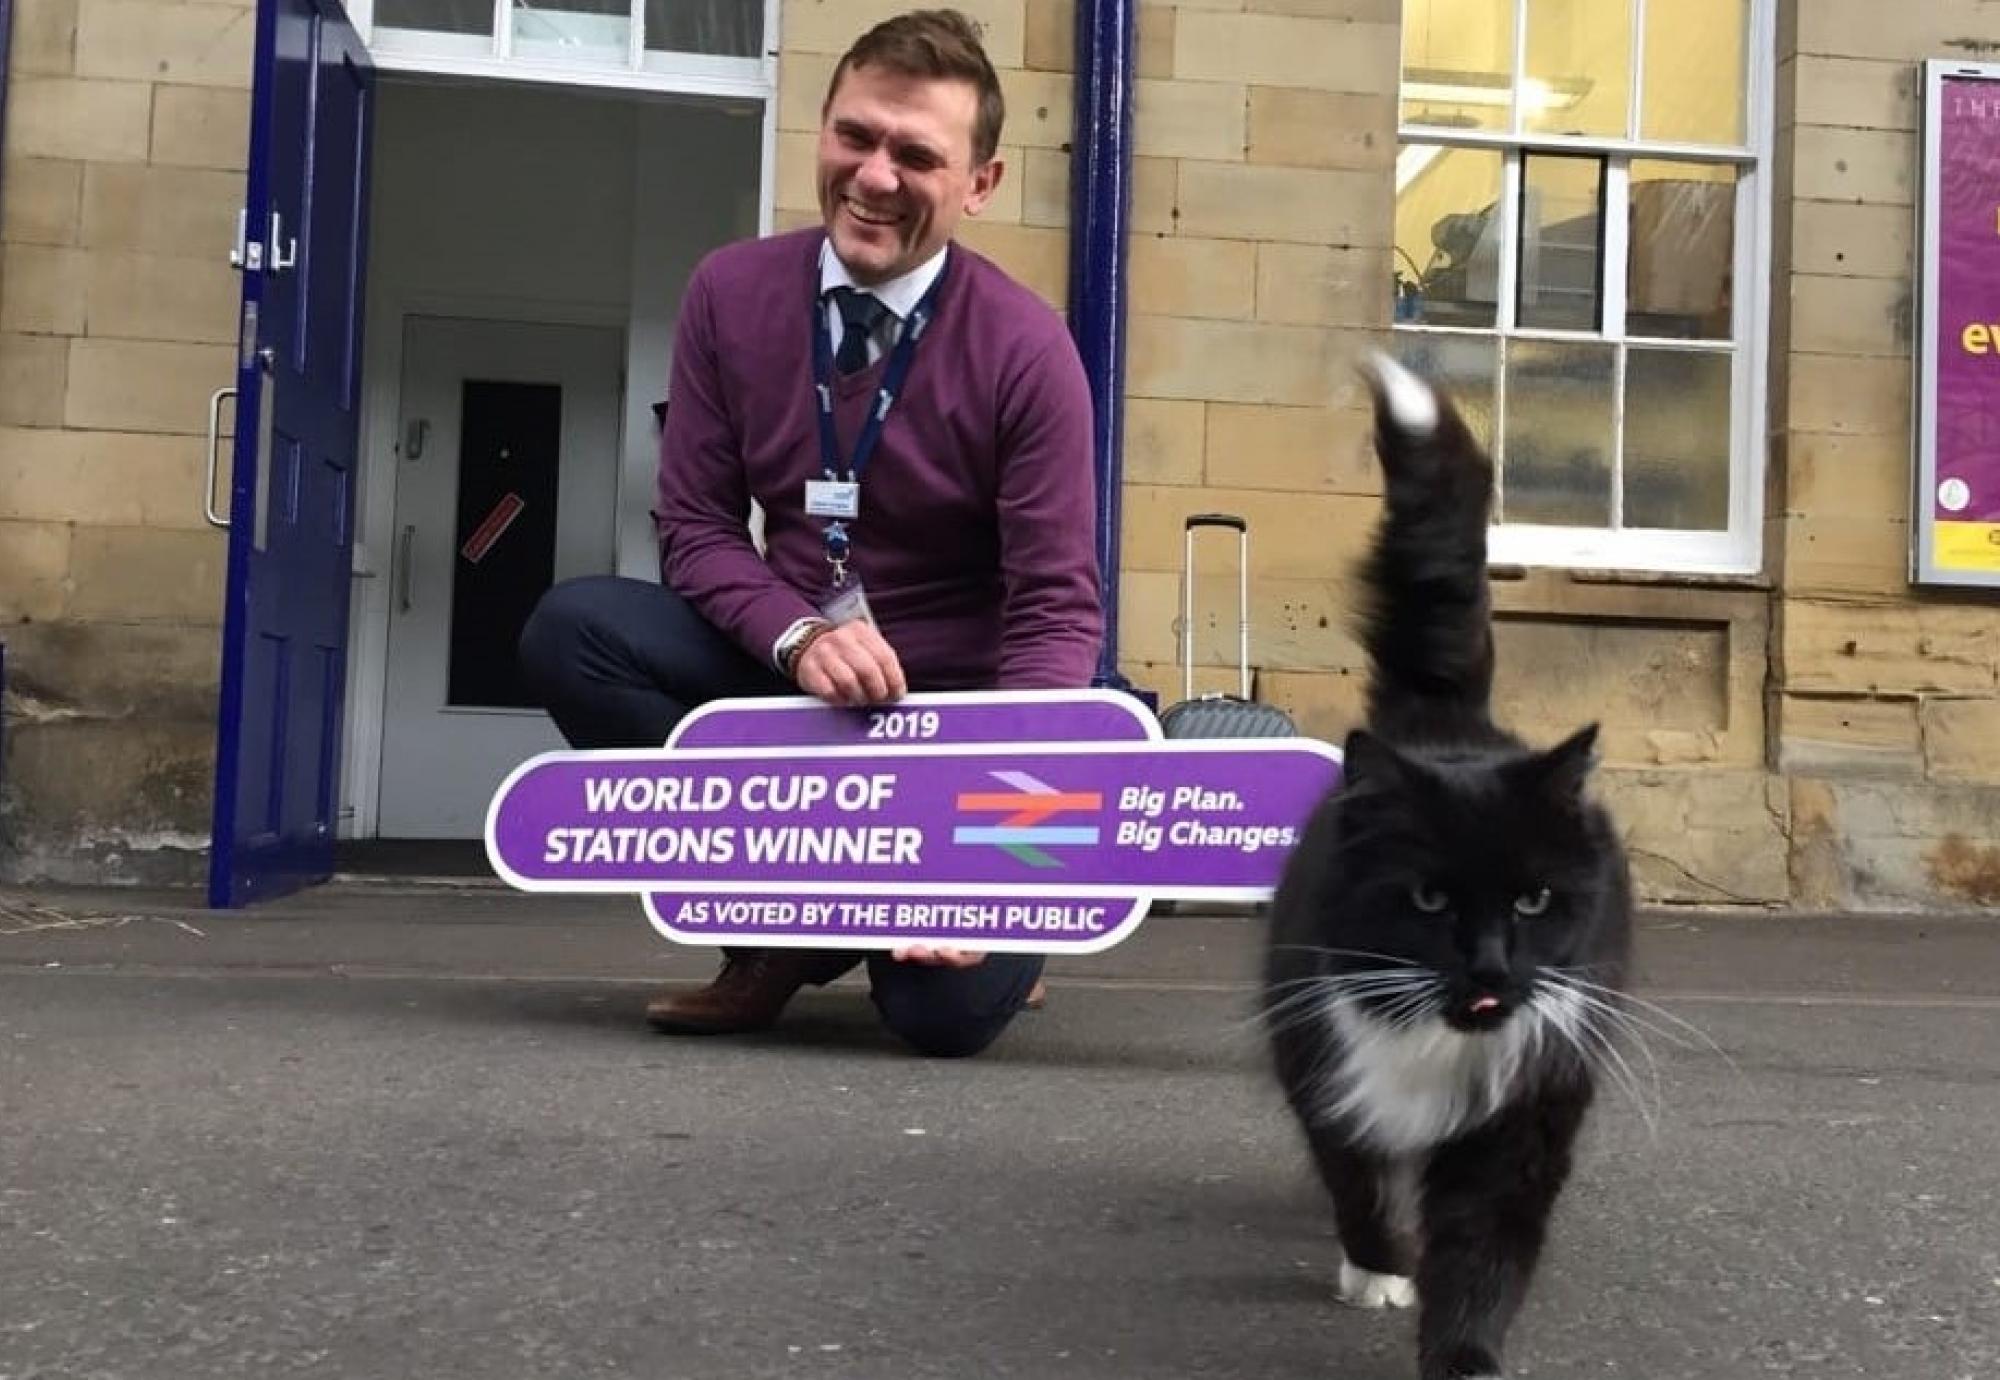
(490, 531)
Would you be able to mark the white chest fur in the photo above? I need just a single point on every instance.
(1406, 1090)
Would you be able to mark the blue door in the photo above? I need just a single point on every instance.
(291, 504)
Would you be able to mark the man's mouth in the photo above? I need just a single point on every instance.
(867, 216)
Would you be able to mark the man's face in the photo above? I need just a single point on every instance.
(896, 170)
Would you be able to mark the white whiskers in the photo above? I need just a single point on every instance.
(1596, 1021)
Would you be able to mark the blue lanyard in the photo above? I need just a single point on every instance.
(885, 398)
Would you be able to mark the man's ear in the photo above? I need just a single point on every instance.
(985, 182)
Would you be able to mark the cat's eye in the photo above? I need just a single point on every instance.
(1427, 899)
(1532, 903)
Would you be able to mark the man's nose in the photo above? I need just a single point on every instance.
(877, 172)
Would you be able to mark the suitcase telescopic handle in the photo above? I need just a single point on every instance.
(1242, 530)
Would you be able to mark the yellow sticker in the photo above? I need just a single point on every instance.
(1966, 545)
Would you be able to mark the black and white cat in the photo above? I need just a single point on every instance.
(1450, 940)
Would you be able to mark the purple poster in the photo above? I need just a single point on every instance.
(1198, 819)
(1958, 503)
(1032, 821)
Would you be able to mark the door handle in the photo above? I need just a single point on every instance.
(215, 519)
(414, 437)
(405, 581)
(284, 252)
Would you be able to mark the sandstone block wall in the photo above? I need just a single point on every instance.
(127, 124)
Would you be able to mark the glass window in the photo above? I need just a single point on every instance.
(592, 31)
(1683, 250)
(1464, 366)
(1695, 75)
(1576, 227)
(1561, 278)
(1560, 433)
(437, 16)
(1676, 470)
(1579, 78)
(1458, 63)
(729, 28)
(1447, 235)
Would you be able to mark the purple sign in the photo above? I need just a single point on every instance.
(993, 923)
(1071, 716)
(1196, 819)
(952, 828)
(1077, 926)
(1958, 503)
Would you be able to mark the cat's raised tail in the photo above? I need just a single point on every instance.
(1426, 614)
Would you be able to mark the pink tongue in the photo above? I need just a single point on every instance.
(1485, 1004)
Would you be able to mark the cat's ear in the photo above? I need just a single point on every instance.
(1564, 768)
(1368, 763)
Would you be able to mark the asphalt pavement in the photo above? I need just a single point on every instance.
(409, 1130)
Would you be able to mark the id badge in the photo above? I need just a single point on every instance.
(833, 498)
(848, 604)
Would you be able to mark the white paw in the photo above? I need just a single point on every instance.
(1366, 1289)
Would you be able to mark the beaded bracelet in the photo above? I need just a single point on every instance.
(792, 655)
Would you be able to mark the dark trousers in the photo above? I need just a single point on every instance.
(619, 662)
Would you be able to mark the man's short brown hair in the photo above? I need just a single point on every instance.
(934, 44)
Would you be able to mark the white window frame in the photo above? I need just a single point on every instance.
(492, 55)
(1739, 548)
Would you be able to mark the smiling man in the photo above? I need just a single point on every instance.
(916, 427)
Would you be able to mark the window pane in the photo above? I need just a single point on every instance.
(1463, 366)
(1561, 264)
(1579, 78)
(725, 28)
(573, 31)
(1695, 77)
(1677, 439)
(1556, 466)
(1458, 63)
(437, 16)
(592, 31)
(1447, 235)
(1683, 251)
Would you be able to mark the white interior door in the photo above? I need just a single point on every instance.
(506, 482)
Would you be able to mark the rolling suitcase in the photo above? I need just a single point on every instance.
(1218, 715)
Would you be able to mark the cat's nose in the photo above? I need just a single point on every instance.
(1489, 969)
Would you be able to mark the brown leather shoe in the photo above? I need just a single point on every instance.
(749, 994)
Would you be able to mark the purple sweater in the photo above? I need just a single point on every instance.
(975, 540)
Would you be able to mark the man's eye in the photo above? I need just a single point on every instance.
(1428, 899)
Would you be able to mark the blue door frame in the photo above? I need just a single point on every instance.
(292, 493)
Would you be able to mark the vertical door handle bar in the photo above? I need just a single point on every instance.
(215, 519)
(404, 579)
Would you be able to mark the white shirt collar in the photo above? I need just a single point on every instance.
(899, 295)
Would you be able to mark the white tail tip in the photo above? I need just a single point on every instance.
(1412, 403)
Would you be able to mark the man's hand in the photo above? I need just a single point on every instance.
(936, 956)
(851, 665)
